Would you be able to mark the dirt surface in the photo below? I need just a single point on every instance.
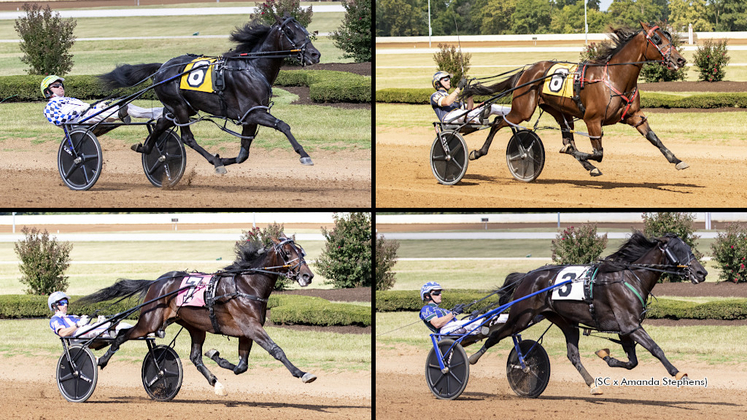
(402, 393)
(635, 174)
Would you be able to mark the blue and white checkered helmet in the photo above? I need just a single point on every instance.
(429, 287)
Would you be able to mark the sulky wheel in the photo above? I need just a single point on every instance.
(79, 160)
(449, 157)
(532, 381)
(77, 375)
(167, 160)
(525, 155)
(162, 373)
(450, 383)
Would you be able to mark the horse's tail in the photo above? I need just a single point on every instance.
(502, 86)
(509, 286)
(120, 289)
(126, 75)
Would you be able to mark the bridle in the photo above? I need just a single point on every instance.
(654, 39)
(674, 264)
(301, 50)
(292, 264)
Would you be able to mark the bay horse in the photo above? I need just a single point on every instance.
(246, 74)
(608, 93)
(240, 295)
(615, 300)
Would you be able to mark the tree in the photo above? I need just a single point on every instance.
(570, 20)
(46, 40)
(354, 35)
(346, 259)
(577, 246)
(685, 12)
(401, 18)
(386, 257)
(633, 12)
(43, 262)
(531, 17)
(494, 16)
(734, 15)
(450, 60)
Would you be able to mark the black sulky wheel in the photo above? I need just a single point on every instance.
(449, 157)
(450, 383)
(162, 373)
(167, 160)
(77, 376)
(532, 381)
(79, 160)
(525, 155)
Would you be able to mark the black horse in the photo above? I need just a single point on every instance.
(614, 300)
(242, 80)
(237, 308)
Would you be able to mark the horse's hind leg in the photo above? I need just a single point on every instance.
(245, 346)
(268, 120)
(139, 330)
(571, 342)
(195, 355)
(189, 139)
(641, 336)
(629, 346)
(639, 121)
(478, 153)
(248, 133)
(162, 125)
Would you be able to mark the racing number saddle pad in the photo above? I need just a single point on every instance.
(574, 290)
(201, 78)
(559, 84)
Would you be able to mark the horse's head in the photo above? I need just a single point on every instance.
(661, 40)
(295, 38)
(292, 256)
(677, 252)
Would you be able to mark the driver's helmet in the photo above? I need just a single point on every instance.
(437, 78)
(48, 81)
(56, 297)
(429, 287)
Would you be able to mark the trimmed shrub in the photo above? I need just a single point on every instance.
(577, 246)
(354, 35)
(386, 257)
(681, 224)
(46, 40)
(307, 310)
(730, 253)
(711, 61)
(43, 262)
(409, 300)
(346, 258)
(450, 60)
(262, 238)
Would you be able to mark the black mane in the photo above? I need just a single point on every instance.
(632, 250)
(250, 37)
(620, 38)
(248, 255)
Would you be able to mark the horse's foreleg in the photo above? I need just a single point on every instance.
(189, 139)
(248, 133)
(641, 336)
(639, 121)
(260, 336)
(629, 346)
(268, 120)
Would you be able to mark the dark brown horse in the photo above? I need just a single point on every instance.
(607, 93)
(615, 301)
(240, 297)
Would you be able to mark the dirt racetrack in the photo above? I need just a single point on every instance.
(402, 393)
(635, 174)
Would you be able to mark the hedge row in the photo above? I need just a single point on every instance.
(648, 99)
(288, 309)
(730, 309)
(326, 86)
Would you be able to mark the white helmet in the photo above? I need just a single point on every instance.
(429, 287)
(56, 297)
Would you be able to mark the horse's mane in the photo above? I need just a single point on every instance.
(632, 250)
(248, 255)
(620, 38)
(250, 36)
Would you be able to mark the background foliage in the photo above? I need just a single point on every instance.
(43, 262)
(46, 40)
(578, 246)
(730, 253)
(346, 259)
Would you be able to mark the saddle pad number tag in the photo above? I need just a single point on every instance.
(201, 78)
(574, 290)
(558, 84)
(195, 295)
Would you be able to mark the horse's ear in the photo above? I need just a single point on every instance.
(645, 27)
(277, 19)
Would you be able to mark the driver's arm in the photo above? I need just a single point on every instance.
(441, 321)
(67, 331)
(448, 100)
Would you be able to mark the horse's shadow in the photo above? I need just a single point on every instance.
(612, 185)
(321, 408)
(482, 396)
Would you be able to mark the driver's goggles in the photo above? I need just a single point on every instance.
(436, 293)
(62, 302)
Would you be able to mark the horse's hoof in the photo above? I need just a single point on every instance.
(473, 155)
(603, 353)
(307, 161)
(680, 375)
(308, 378)
(211, 353)
(475, 357)
(595, 172)
(137, 147)
(682, 165)
(220, 170)
(220, 389)
(102, 363)
(567, 148)
(596, 391)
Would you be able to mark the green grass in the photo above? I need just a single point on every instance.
(311, 125)
(307, 350)
(724, 345)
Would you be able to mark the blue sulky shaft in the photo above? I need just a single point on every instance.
(483, 319)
